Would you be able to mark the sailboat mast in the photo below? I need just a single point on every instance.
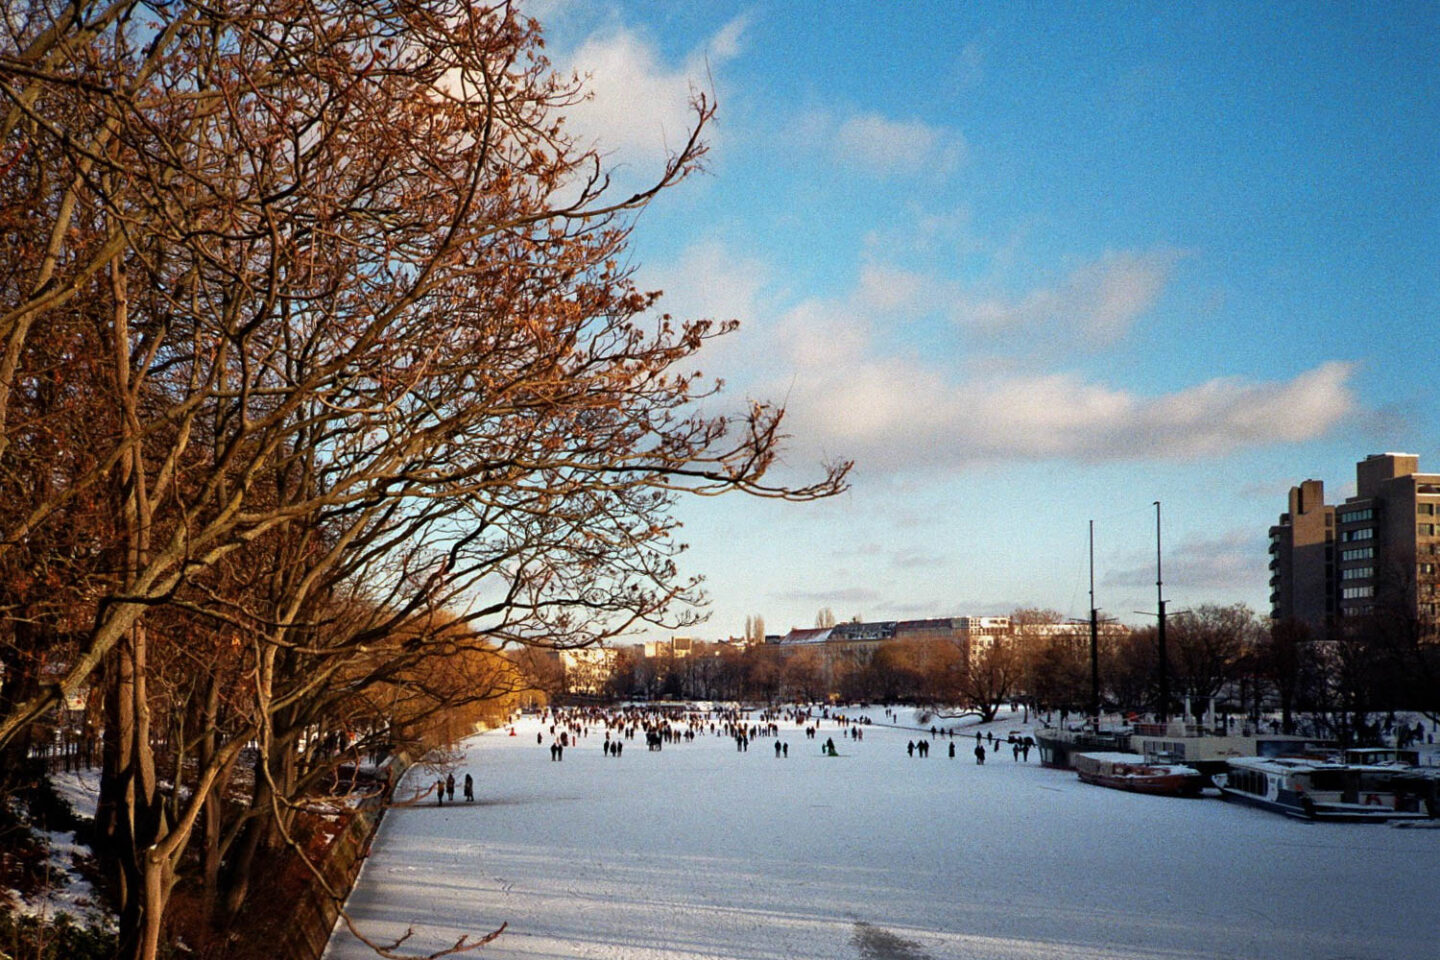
(1164, 712)
(1094, 639)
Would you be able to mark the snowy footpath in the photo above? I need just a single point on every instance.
(703, 851)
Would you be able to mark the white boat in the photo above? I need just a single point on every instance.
(1313, 789)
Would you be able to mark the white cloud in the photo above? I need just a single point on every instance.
(725, 45)
(855, 595)
(1099, 302)
(895, 414)
(886, 146)
(639, 108)
(711, 281)
(848, 394)
(1232, 562)
(888, 288)
(881, 146)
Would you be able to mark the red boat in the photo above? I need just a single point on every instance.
(1130, 771)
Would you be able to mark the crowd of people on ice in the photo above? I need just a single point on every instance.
(660, 725)
(670, 724)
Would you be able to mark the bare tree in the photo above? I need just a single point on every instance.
(1286, 660)
(1208, 645)
(803, 674)
(1055, 659)
(992, 676)
(352, 380)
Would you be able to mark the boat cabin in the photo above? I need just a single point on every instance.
(1321, 790)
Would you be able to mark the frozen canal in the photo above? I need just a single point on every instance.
(702, 851)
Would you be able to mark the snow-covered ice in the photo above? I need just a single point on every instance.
(702, 851)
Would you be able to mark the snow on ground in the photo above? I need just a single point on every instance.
(68, 891)
(79, 788)
(701, 851)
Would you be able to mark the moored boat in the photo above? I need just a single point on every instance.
(1058, 746)
(1313, 789)
(1128, 771)
(1209, 748)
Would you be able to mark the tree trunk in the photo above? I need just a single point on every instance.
(20, 683)
(252, 836)
(211, 817)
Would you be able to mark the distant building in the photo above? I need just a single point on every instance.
(588, 669)
(1375, 554)
(857, 642)
(981, 633)
(1302, 560)
(676, 647)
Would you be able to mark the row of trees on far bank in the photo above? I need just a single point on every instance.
(322, 381)
(1242, 661)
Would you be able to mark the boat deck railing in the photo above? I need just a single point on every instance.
(1175, 728)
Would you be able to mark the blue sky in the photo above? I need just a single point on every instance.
(1034, 264)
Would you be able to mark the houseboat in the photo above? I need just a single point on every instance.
(1209, 747)
(1129, 771)
(1313, 789)
(1058, 746)
(1383, 756)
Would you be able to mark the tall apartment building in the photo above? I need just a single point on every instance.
(1375, 554)
(1302, 560)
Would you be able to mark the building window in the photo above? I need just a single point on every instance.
(1427, 568)
(1425, 529)
(1354, 516)
(1425, 509)
(1364, 533)
(1355, 593)
(1357, 573)
(1357, 553)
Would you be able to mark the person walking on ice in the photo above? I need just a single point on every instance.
(469, 788)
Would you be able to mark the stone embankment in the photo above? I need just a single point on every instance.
(315, 911)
